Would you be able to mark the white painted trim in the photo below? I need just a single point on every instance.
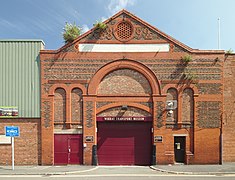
(124, 47)
(180, 134)
(68, 131)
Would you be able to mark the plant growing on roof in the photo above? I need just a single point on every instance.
(230, 51)
(100, 25)
(186, 59)
(71, 32)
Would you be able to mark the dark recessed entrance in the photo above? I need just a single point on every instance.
(179, 148)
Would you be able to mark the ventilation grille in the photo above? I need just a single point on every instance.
(124, 31)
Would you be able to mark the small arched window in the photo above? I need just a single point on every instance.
(172, 94)
(60, 106)
(76, 105)
(187, 105)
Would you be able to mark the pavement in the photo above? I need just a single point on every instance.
(45, 170)
(227, 168)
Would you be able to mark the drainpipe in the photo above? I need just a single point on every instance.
(221, 142)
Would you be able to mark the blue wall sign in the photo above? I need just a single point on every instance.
(12, 131)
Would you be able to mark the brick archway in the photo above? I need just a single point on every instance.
(120, 64)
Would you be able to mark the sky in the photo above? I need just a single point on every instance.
(192, 22)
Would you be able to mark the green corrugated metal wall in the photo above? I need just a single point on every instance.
(20, 75)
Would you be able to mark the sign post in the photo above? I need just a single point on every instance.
(12, 153)
(12, 131)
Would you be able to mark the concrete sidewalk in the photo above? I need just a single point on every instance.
(227, 168)
(45, 170)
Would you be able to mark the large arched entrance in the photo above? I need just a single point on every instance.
(124, 115)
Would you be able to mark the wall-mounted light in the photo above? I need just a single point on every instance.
(170, 113)
(124, 107)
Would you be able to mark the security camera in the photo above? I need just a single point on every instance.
(171, 104)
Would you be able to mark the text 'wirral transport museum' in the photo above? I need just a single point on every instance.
(128, 95)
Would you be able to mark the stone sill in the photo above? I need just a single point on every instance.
(179, 125)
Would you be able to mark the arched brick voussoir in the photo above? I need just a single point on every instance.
(124, 64)
(180, 88)
(57, 86)
(68, 89)
(79, 86)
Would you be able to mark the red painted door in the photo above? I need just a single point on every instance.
(60, 149)
(75, 150)
(124, 143)
(67, 149)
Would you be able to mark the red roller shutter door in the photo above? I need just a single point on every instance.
(124, 143)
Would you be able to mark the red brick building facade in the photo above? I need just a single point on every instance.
(130, 94)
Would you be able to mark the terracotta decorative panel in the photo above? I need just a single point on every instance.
(89, 114)
(46, 113)
(210, 88)
(159, 113)
(209, 114)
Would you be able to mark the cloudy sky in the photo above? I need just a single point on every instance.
(193, 22)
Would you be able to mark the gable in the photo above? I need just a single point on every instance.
(125, 28)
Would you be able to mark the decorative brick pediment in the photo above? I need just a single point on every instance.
(125, 27)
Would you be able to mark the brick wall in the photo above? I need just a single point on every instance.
(229, 106)
(207, 146)
(124, 81)
(27, 146)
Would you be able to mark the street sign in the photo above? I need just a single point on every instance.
(12, 131)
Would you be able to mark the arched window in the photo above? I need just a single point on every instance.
(76, 106)
(60, 106)
(172, 94)
(187, 106)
